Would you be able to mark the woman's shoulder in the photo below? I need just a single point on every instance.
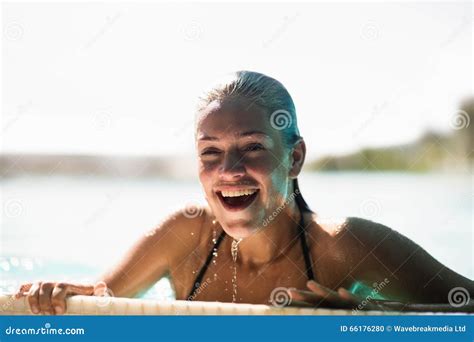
(338, 227)
(340, 245)
(353, 234)
(182, 226)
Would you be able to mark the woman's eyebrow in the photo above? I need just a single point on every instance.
(204, 137)
(249, 133)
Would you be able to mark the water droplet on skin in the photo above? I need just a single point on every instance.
(215, 255)
(234, 251)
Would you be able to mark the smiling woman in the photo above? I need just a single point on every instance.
(257, 236)
(248, 140)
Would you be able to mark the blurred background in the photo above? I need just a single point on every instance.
(98, 106)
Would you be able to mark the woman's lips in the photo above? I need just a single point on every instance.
(236, 200)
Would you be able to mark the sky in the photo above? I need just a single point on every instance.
(105, 78)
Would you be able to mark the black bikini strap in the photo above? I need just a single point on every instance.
(202, 272)
(306, 253)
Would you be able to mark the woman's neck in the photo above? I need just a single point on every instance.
(268, 243)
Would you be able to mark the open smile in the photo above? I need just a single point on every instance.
(235, 200)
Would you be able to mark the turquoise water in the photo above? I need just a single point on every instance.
(62, 228)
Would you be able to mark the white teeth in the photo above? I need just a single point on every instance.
(238, 193)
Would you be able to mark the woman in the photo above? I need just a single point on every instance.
(258, 234)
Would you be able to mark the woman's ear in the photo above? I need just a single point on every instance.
(297, 157)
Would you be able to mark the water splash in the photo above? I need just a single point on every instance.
(234, 251)
(214, 236)
(214, 250)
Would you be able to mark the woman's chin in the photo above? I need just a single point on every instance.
(238, 232)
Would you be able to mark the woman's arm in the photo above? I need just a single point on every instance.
(385, 264)
(149, 258)
(410, 274)
(146, 262)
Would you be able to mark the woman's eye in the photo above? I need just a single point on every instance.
(254, 147)
(209, 152)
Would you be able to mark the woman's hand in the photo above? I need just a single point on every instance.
(49, 298)
(320, 296)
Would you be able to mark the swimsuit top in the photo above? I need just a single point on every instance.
(304, 245)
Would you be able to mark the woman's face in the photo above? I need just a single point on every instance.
(244, 166)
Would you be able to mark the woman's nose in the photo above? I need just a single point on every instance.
(232, 166)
